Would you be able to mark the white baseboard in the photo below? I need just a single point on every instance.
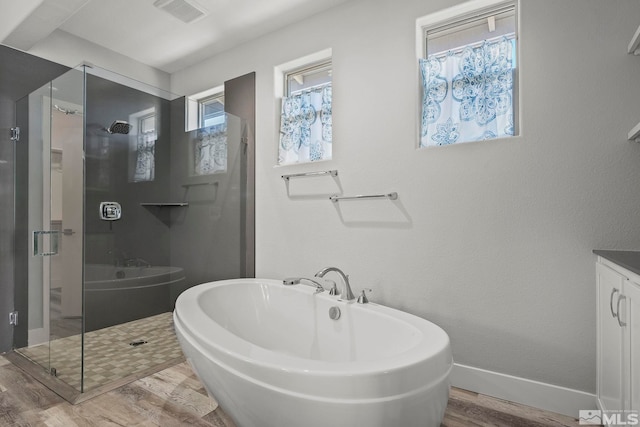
(521, 390)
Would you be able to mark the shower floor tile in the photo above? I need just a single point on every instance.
(109, 356)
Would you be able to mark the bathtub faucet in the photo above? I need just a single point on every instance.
(346, 293)
(298, 280)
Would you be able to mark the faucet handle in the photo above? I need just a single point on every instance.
(334, 288)
(362, 299)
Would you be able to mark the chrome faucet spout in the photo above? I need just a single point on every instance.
(346, 293)
(299, 280)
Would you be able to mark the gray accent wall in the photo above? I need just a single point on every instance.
(240, 100)
(141, 234)
(213, 238)
(6, 215)
(20, 74)
(109, 166)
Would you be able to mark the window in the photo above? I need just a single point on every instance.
(468, 77)
(204, 108)
(211, 110)
(308, 78)
(147, 124)
(206, 120)
(305, 119)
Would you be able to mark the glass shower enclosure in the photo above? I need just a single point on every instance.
(49, 187)
(111, 194)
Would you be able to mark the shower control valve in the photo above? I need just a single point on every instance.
(110, 211)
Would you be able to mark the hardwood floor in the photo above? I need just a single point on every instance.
(175, 397)
(466, 409)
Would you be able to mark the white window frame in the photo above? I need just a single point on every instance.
(282, 69)
(325, 64)
(192, 114)
(452, 14)
(219, 118)
(146, 117)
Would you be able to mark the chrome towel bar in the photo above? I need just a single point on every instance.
(195, 184)
(297, 175)
(391, 196)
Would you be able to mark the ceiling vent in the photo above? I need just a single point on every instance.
(185, 10)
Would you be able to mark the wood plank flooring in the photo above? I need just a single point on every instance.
(175, 397)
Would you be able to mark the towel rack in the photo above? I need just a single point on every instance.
(391, 196)
(297, 175)
(166, 204)
(195, 184)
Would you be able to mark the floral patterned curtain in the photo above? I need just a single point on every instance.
(468, 96)
(305, 126)
(145, 157)
(210, 149)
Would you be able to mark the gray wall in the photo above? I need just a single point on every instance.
(492, 240)
(140, 233)
(7, 120)
(212, 239)
(240, 100)
(20, 74)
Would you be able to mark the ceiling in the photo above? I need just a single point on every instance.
(152, 36)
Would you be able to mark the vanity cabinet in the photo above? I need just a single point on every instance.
(618, 337)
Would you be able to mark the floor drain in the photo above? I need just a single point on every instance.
(137, 343)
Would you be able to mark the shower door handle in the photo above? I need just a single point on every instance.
(40, 238)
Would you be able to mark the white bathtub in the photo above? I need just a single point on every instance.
(272, 357)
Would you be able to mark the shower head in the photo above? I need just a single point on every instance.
(119, 126)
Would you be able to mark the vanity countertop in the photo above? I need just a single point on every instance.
(627, 259)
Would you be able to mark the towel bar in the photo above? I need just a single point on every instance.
(195, 184)
(297, 175)
(391, 196)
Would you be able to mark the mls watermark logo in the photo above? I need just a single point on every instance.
(617, 418)
(590, 417)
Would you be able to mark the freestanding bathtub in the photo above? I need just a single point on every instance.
(115, 295)
(272, 357)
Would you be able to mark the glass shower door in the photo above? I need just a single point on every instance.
(53, 155)
(67, 218)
